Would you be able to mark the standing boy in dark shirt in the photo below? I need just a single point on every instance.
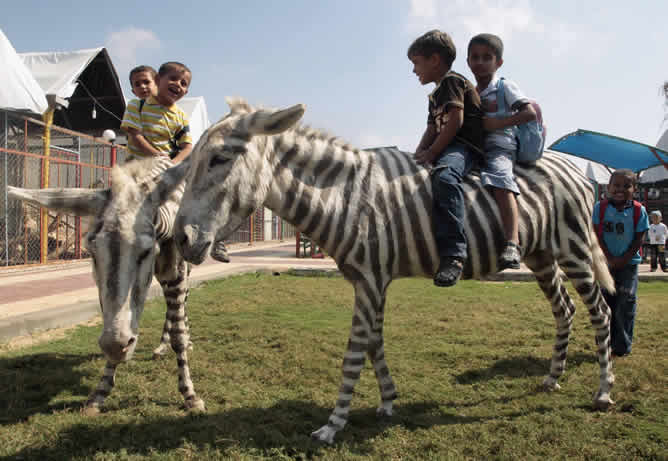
(452, 142)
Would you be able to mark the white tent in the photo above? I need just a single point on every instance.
(57, 71)
(195, 109)
(85, 78)
(19, 89)
(657, 173)
(598, 173)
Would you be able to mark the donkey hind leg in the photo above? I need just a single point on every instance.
(159, 351)
(376, 354)
(102, 391)
(172, 272)
(548, 277)
(367, 301)
(583, 279)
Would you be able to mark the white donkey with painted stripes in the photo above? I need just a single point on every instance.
(130, 240)
(371, 212)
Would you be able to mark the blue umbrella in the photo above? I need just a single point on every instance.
(611, 151)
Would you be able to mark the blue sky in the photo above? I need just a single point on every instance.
(596, 65)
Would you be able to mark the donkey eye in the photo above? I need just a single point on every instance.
(217, 160)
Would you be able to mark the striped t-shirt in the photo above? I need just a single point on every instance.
(158, 124)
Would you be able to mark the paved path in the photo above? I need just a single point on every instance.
(64, 295)
(54, 296)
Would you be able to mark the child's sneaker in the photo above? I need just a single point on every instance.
(219, 252)
(449, 272)
(510, 257)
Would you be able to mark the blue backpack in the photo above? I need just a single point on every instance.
(530, 136)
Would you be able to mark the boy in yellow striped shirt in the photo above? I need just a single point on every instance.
(156, 125)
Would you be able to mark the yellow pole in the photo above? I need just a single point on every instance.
(44, 231)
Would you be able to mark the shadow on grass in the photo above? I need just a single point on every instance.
(30, 382)
(519, 367)
(285, 426)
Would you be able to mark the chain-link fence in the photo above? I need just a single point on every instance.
(29, 235)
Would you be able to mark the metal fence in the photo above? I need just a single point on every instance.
(29, 235)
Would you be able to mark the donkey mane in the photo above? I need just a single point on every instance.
(138, 172)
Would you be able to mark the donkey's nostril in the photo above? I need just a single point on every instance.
(130, 342)
(181, 239)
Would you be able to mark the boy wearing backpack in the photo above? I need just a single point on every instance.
(505, 106)
(621, 224)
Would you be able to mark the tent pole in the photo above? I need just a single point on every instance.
(44, 213)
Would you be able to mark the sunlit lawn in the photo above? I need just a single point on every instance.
(468, 363)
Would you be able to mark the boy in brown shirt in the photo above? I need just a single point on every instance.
(452, 143)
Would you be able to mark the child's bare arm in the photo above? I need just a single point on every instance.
(603, 246)
(444, 138)
(140, 141)
(632, 250)
(427, 138)
(183, 153)
(524, 115)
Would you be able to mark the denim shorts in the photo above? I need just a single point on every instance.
(498, 170)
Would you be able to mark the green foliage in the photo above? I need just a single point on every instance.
(467, 361)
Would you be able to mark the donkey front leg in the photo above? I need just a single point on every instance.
(548, 276)
(172, 272)
(102, 391)
(353, 362)
(160, 351)
(164, 339)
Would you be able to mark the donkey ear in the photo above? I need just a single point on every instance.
(170, 179)
(279, 121)
(80, 202)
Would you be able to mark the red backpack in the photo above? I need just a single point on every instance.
(637, 208)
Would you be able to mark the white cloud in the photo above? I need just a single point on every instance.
(124, 45)
(510, 19)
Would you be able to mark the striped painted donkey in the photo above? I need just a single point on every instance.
(131, 239)
(371, 212)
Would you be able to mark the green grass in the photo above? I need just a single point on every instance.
(467, 361)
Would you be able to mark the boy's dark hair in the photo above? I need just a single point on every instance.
(434, 42)
(626, 173)
(490, 40)
(138, 69)
(173, 65)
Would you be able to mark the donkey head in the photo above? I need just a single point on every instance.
(121, 240)
(230, 175)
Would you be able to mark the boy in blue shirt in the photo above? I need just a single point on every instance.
(485, 56)
(452, 142)
(620, 238)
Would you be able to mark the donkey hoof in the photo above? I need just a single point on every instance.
(602, 401)
(90, 411)
(550, 384)
(384, 411)
(325, 435)
(195, 405)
